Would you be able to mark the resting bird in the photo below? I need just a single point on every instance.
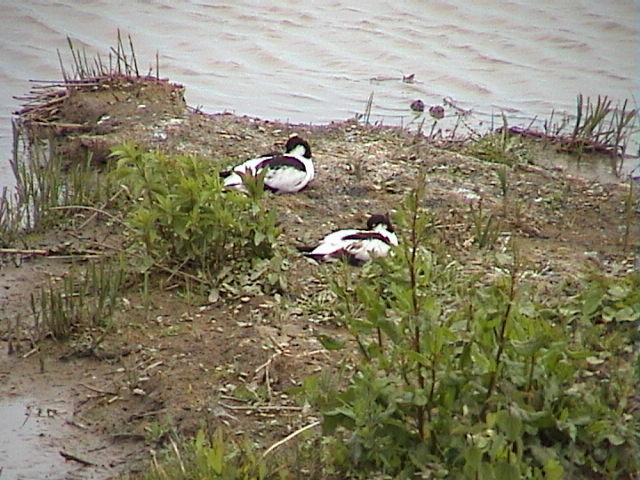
(286, 173)
(356, 246)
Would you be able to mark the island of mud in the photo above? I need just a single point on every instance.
(180, 355)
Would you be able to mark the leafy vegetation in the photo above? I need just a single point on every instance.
(182, 221)
(469, 377)
(459, 376)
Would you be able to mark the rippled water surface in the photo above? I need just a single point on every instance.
(307, 61)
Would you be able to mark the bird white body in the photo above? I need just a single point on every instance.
(356, 246)
(286, 173)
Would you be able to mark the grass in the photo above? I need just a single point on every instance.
(486, 227)
(600, 127)
(80, 303)
(500, 146)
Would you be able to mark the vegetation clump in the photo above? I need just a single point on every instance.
(181, 220)
(467, 378)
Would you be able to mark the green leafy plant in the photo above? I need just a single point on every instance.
(461, 377)
(214, 457)
(184, 222)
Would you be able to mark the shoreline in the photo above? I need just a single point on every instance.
(170, 360)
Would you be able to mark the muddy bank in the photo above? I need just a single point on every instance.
(172, 366)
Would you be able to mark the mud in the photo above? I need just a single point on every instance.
(173, 367)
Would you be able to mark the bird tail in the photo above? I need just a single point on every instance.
(307, 252)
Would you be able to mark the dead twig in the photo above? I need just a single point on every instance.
(25, 251)
(261, 407)
(101, 209)
(76, 458)
(289, 437)
(97, 390)
(93, 209)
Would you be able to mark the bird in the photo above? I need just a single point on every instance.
(417, 105)
(356, 246)
(289, 172)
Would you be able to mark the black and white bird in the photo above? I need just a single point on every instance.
(289, 172)
(356, 246)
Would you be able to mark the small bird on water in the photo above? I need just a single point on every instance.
(417, 105)
(356, 246)
(289, 172)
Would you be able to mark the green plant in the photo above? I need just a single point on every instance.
(500, 147)
(461, 377)
(600, 127)
(214, 457)
(157, 432)
(184, 222)
(47, 191)
(485, 227)
(81, 304)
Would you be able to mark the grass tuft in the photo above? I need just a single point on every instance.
(81, 302)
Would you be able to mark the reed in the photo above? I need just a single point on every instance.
(485, 227)
(84, 300)
(44, 186)
(121, 61)
(365, 117)
(600, 127)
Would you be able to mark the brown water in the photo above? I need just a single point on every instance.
(306, 61)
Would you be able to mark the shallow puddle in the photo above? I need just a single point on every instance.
(28, 447)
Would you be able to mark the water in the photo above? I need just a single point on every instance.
(306, 61)
(27, 449)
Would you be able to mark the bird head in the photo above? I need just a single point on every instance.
(297, 146)
(380, 220)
